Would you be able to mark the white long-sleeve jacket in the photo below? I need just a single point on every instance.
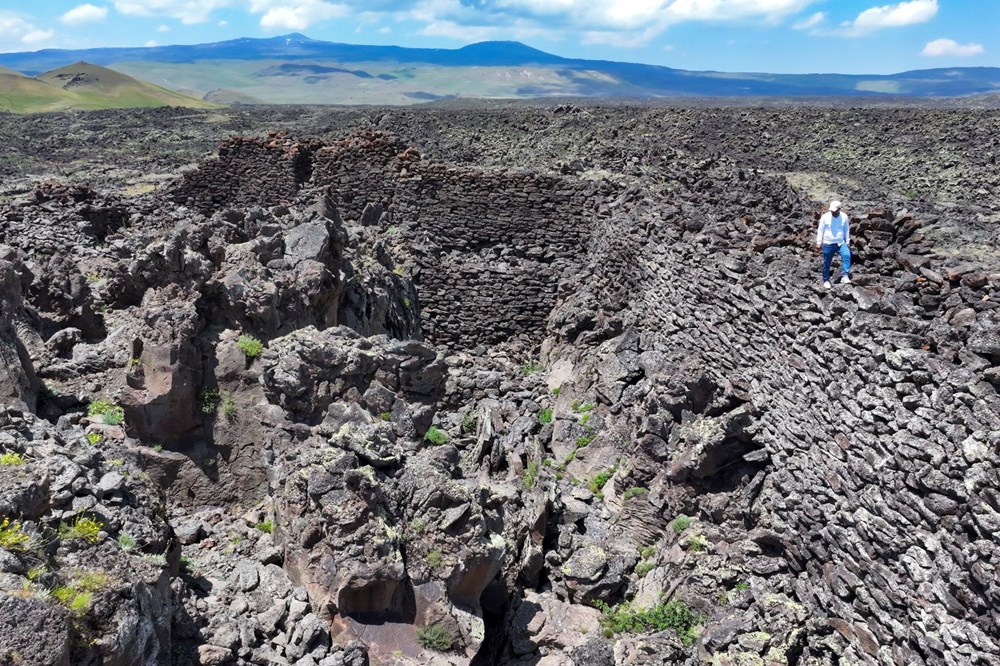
(833, 229)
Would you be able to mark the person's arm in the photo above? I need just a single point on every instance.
(847, 229)
(819, 231)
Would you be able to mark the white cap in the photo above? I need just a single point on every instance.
(836, 205)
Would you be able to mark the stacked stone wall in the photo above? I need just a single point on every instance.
(248, 171)
(490, 246)
(487, 247)
(879, 413)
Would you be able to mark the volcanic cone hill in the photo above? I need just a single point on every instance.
(331, 399)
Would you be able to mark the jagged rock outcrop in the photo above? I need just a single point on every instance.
(595, 411)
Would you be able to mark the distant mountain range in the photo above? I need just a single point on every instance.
(295, 69)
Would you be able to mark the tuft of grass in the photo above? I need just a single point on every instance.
(469, 423)
(94, 438)
(582, 408)
(556, 390)
(83, 528)
(385, 416)
(674, 615)
(12, 536)
(742, 586)
(12, 458)
(530, 475)
(208, 401)
(585, 440)
(530, 368)
(598, 482)
(436, 436)
(265, 526)
(157, 447)
(545, 416)
(680, 523)
(250, 346)
(126, 542)
(644, 568)
(435, 558)
(698, 543)
(647, 552)
(77, 602)
(434, 637)
(635, 492)
(228, 405)
(106, 412)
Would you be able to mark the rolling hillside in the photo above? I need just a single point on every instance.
(84, 86)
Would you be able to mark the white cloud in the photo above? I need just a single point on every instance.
(285, 15)
(223, 23)
(895, 16)
(810, 22)
(185, 11)
(163, 28)
(36, 36)
(151, 43)
(16, 30)
(87, 13)
(619, 39)
(385, 30)
(466, 33)
(949, 47)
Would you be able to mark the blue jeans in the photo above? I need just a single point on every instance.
(845, 259)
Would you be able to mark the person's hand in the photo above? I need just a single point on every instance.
(818, 247)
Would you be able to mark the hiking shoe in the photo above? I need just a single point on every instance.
(845, 280)
(826, 285)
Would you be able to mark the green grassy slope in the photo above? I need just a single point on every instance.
(85, 87)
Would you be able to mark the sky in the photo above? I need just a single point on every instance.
(780, 36)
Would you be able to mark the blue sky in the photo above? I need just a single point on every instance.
(785, 36)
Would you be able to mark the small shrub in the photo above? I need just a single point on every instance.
(469, 423)
(106, 412)
(585, 440)
(385, 416)
(435, 558)
(250, 346)
(12, 458)
(674, 615)
(556, 390)
(407, 303)
(126, 542)
(647, 552)
(434, 637)
(77, 602)
(91, 581)
(208, 401)
(34, 573)
(436, 436)
(266, 526)
(187, 564)
(582, 408)
(644, 568)
(228, 405)
(635, 492)
(12, 537)
(530, 475)
(94, 438)
(548, 462)
(680, 523)
(545, 416)
(83, 528)
(530, 368)
(698, 543)
(742, 586)
(598, 482)
(157, 447)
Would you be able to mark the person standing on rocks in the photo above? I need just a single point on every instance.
(834, 235)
